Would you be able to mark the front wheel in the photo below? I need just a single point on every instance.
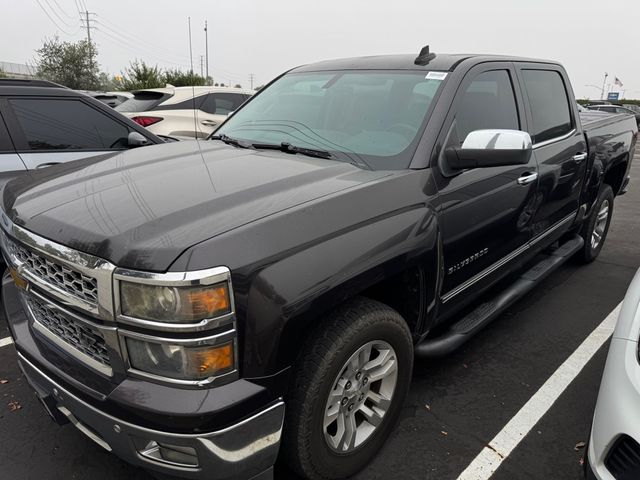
(594, 231)
(348, 389)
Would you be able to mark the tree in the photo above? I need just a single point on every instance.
(139, 75)
(73, 64)
(107, 82)
(237, 85)
(2, 74)
(178, 78)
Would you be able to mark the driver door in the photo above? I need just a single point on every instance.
(485, 212)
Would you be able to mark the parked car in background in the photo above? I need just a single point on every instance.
(614, 443)
(616, 109)
(43, 123)
(183, 111)
(113, 99)
(631, 106)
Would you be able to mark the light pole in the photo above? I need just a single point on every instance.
(603, 84)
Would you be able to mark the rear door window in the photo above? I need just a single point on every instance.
(5, 141)
(63, 124)
(488, 102)
(549, 104)
(222, 103)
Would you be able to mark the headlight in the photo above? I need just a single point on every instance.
(183, 304)
(180, 362)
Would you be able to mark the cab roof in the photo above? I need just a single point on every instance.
(442, 62)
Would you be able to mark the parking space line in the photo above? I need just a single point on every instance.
(498, 449)
(5, 341)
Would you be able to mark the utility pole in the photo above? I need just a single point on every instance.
(251, 76)
(190, 50)
(84, 18)
(603, 85)
(201, 65)
(206, 48)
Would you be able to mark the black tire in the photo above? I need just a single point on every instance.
(589, 252)
(322, 358)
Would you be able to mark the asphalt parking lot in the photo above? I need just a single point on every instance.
(455, 405)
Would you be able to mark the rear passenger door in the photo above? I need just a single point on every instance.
(46, 131)
(559, 147)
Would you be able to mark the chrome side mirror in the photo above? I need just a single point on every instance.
(491, 148)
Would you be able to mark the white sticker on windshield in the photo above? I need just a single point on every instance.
(436, 75)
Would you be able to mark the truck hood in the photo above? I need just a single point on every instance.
(141, 208)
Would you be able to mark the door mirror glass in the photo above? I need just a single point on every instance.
(136, 139)
(491, 148)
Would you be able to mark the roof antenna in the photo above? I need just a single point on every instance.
(424, 56)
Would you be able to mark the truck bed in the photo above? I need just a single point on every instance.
(594, 120)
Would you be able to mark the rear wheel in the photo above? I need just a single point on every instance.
(594, 231)
(348, 389)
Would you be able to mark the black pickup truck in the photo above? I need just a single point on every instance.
(201, 308)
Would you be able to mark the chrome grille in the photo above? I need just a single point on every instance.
(57, 274)
(79, 336)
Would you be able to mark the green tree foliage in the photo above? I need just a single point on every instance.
(178, 78)
(2, 74)
(140, 75)
(73, 64)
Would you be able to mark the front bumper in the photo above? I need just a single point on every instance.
(246, 450)
(617, 411)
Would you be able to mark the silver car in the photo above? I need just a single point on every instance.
(614, 444)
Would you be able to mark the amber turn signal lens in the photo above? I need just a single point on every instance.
(17, 279)
(216, 359)
(206, 303)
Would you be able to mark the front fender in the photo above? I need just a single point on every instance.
(288, 298)
(290, 269)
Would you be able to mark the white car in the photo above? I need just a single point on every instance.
(183, 111)
(614, 444)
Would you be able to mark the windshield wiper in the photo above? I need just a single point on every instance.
(288, 148)
(231, 141)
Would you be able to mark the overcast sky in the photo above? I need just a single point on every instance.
(266, 37)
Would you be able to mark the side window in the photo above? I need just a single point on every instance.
(60, 124)
(549, 104)
(222, 103)
(5, 141)
(488, 102)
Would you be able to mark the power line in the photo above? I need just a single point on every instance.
(104, 28)
(59, 17)
(138, 40)
(127, 46)
(71, 17)
(53, 21)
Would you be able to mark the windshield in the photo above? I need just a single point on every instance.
(369, 117)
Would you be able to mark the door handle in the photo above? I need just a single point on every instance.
(527, 178)
(579, 157)
(209, 123)
(47, 164)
